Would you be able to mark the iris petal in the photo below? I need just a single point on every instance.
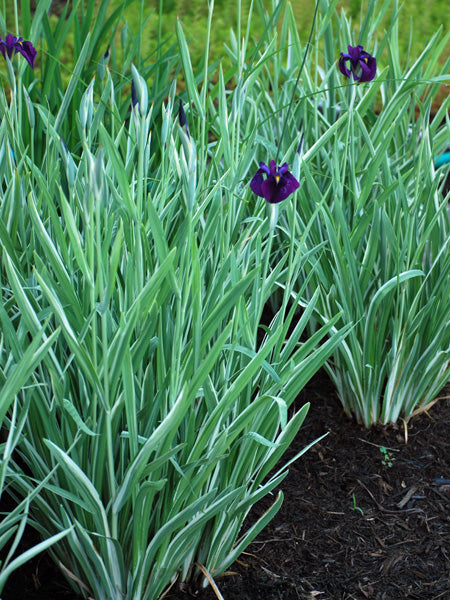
(291, 183)
(28, 51)
(264, 168)
(270, 190)
(342, 66)
(256, 183)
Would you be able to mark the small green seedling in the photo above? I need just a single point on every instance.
(354, 507)
(387, 458)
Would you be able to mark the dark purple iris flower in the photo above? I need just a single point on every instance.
(277, 186)
(361, 64)
(13, 45)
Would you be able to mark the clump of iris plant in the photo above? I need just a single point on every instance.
(273, 183)
(14, 45)
(358, 63)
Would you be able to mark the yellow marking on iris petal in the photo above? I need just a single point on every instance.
(277, 177)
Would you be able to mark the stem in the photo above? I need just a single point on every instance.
(141, 22)
(204, 134)
(140, 196)
(16, 18)
(156, 85)
(264, 271)
(297, 80)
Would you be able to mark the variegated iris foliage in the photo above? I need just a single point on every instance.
(384, 216)
(144, 396)
(371, 193)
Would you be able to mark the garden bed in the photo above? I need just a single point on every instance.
(351, 526)
(148, 222)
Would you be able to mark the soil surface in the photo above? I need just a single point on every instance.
(358, 522)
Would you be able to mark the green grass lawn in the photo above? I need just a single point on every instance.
(413, 17)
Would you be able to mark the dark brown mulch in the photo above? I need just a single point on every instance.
(351, 526)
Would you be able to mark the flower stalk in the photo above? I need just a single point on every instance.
(280, 183)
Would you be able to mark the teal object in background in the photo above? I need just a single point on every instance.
(444, 159)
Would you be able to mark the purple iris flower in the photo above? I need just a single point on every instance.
(362, 65)
(277, 186)
(13, 45)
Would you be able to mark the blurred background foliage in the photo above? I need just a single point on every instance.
(414, 16)
(193, 13)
